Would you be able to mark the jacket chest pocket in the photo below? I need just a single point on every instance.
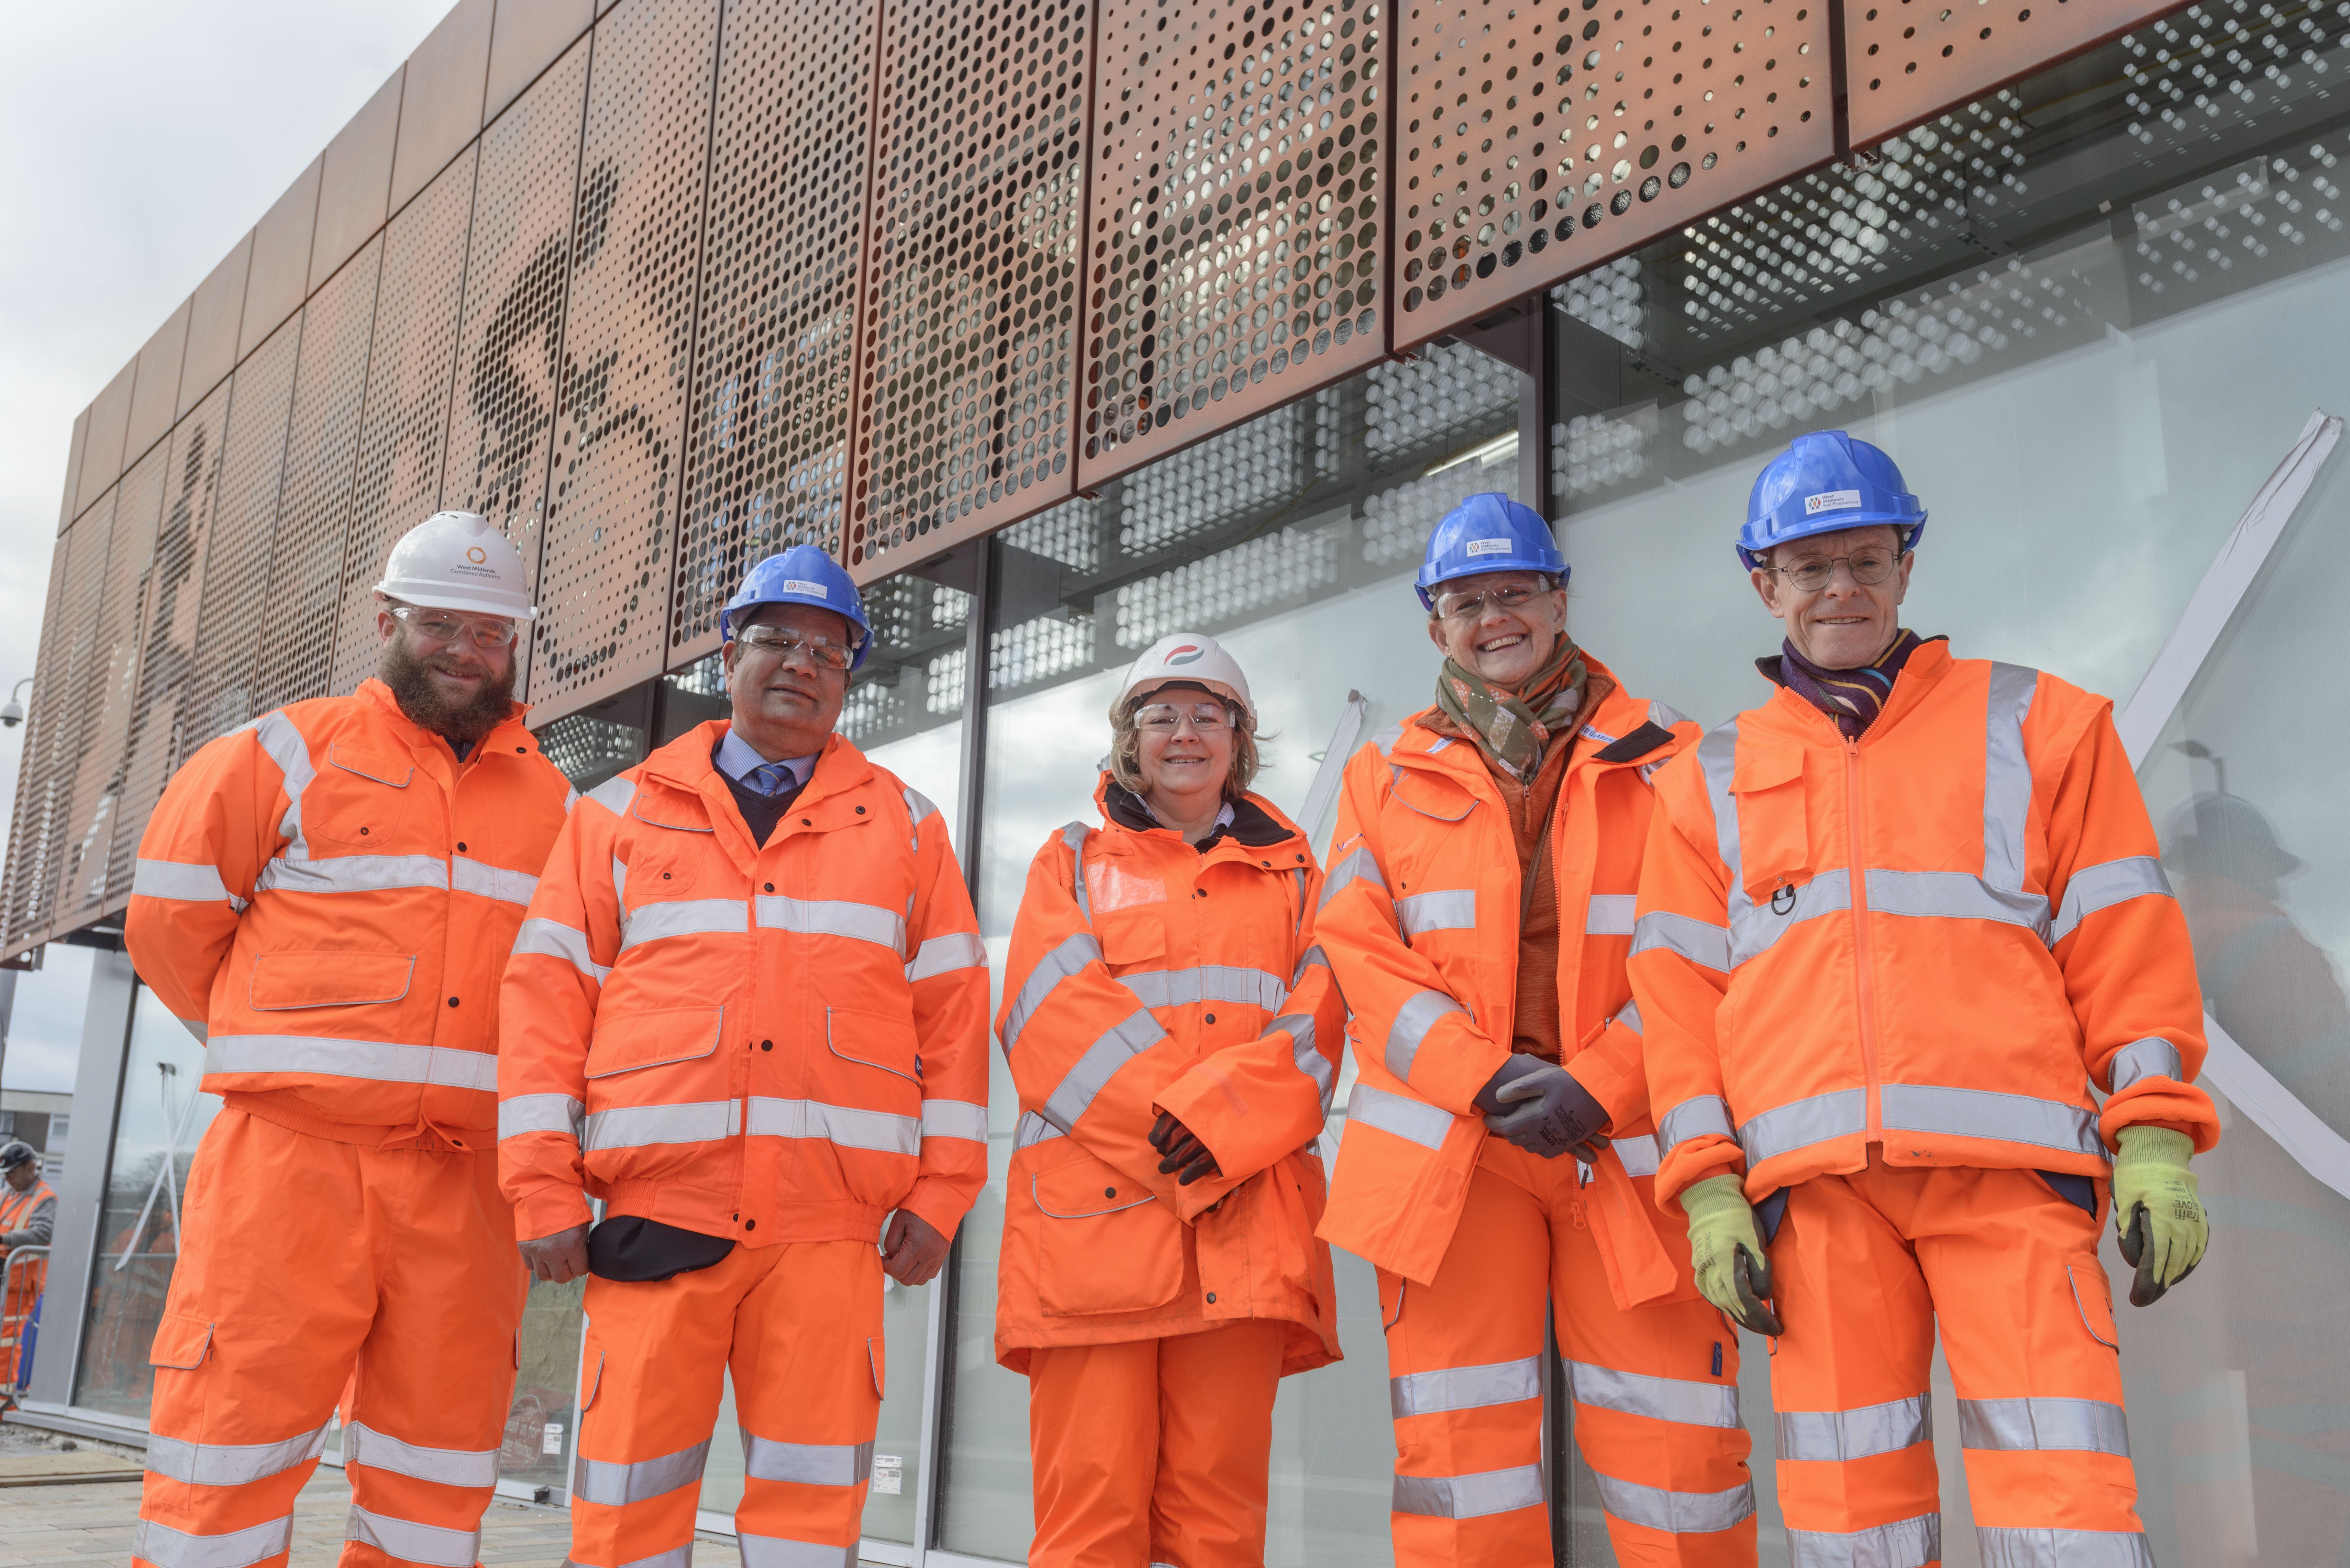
(362, 800)
(627, 1040)
(1103, 1244)
(1774, 844)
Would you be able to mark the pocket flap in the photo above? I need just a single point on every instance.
(1766, 767)
(873, 1039)
(669, 809)
(182, 1342)
(1433, 794)
(1131, 938)
(1085, 1189)
(326, 979)
(370, 764)
(627, 1040)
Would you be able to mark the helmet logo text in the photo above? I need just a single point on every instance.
(1831, 501)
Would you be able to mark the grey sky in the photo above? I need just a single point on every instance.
(139, 140)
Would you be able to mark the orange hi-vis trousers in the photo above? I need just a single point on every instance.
(1655, 1390)
(304, 1261)
(1860, 1265)
(1154, 1451)
(800, 1323)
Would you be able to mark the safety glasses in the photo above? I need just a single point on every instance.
(1167, 717)
(1868, 569)
(487, 633)
(1503, 595)
(783, 644)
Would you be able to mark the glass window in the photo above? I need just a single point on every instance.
(543, 1424)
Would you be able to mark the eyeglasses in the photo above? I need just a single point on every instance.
(1168, 716)
(1469, 607)
(1868, 568)
(783, 643)
(440, 626)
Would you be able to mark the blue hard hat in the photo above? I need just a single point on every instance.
(1488, 533)
(803, 575)
(1824, 483)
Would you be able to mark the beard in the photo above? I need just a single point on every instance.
(462, 723)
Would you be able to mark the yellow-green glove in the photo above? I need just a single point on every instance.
(1733, 1272)
(2160, 1220)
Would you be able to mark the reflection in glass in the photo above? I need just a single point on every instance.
(543, 1424)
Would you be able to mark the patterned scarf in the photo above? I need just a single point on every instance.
(1514, 728)
(1853, 698)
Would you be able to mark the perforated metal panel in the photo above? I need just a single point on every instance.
(611, 521)
(237, 582)
(1240, 172)
(969, 338)
(25, 895)
(1909, 60)
(1539, 140)
(405, 431)
(303, 607)
(774, 353)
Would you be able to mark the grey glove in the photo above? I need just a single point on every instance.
(1539, 1107)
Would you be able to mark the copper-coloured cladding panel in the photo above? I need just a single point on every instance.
(627, 339)
(1906, 61)
(1239, 182)
(1541, 139)
(969, 344)
(24, 890)
(406, 427)
(775, 361)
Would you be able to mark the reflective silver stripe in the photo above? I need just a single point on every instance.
(1608, 915)
(639, 1127)
(231, 1464)
(1310, 1062)
(406, 1540)
(1630, 1018)
(1073, 835)
(775, 1552)
(2007, 777)
(354, 874)
(1073, 953)
(1358, 862)
(1832, 1437)
(1678, 1399)
(470, 876)
(1665, 717)
(1717, 756)
(1205, 982)
(2089, 890)
(363, 1445)
(685, 918)
(1032, 1131)
(2152, 1057)
(1979, 1113)
(1464, 1388)
(277, 736)
(614, 794)
(553, 939)
(1114, 1049)
(846, 1125)
(570, 799)
(378, 1061)
(1702, 943)
(1423, 1124)
(617, 1485)
(954, 1118)
(945, 955)
(1676, 1513)
(1695, 1117)
(167, 1548)
(2015, 1547)
(1313, 957)
(1904, 1543)
(675, 1557)
(833, 918)
(1955, 896)
(1799, 1124)
(620, 890)
(810, 1464)
(179, 880)
(1446, 909)
(1639, 1154)
(1828, 893)
(2043, 1425)
(1412, 1022)
(541, 1113)
(1469, 1497)
(919, 807)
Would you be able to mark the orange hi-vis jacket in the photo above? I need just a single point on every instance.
(1936, 937)
(1421, 917)
(328, 896)
(1147, 976)
(773, 1044)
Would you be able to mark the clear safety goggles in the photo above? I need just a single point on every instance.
(1868, 568)
(1170, 716)
(1501, 596)
(488, 633)
(783, 643)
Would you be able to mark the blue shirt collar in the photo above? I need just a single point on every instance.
(736, 759)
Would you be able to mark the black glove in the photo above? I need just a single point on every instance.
(1539, 1107)
(1183, 1151)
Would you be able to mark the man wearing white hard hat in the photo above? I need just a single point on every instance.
(327, 896)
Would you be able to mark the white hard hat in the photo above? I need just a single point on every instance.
(456, 561)
(1189, 657)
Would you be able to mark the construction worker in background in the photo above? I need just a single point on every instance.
(1175, 1035)
(749, 1012)
(1497, 1155)
(1895, 925)
(327, 896)
(28, 1214)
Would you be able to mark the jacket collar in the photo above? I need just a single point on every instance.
(1258, 827)
(375, 694)
(1617, 714)
(1791, 713)
(685, 763)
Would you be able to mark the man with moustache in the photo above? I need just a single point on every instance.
(327, 896)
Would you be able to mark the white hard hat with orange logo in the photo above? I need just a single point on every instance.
(456, 561)
(1189, 657)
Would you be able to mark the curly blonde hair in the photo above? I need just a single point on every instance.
(1126, 746)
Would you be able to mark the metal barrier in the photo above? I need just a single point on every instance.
(19, 1321)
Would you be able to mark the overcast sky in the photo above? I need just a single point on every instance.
(139, 140)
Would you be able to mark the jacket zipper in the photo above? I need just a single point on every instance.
(1859, 902)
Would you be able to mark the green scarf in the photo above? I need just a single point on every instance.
(1514, 729)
